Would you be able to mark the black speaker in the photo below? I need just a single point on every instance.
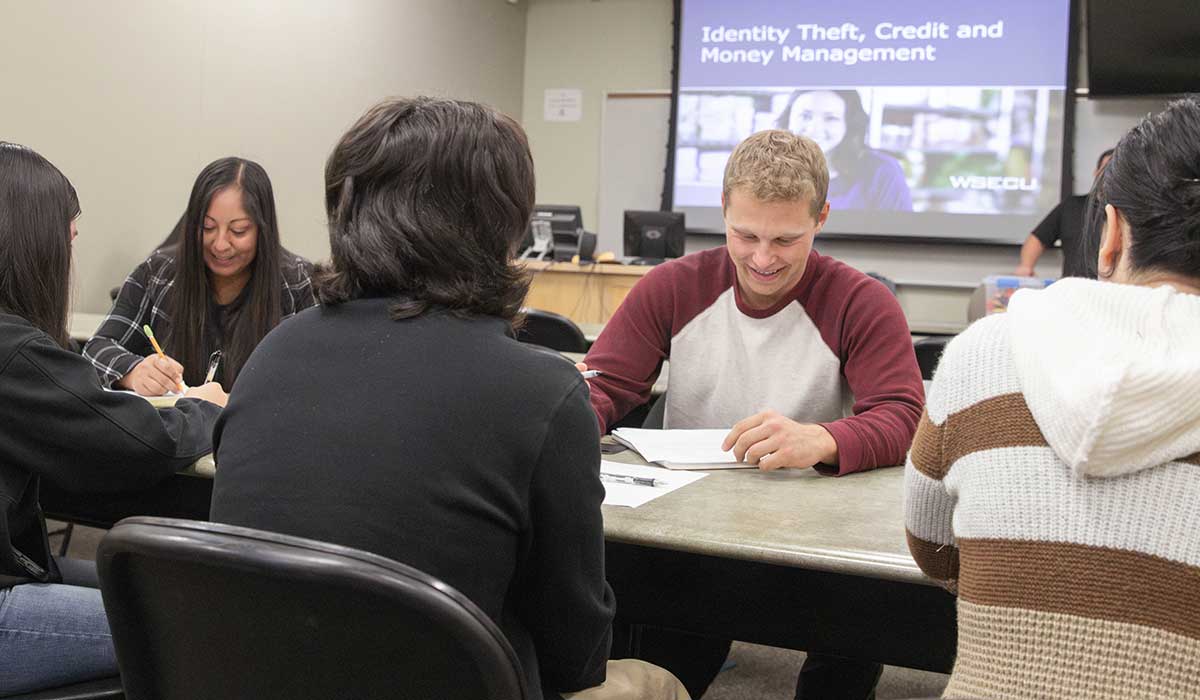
(587, 246)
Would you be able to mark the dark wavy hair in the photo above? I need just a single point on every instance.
(846, 157)
(192, 292)
(428, 200)
(1154, 180)
(37, 206)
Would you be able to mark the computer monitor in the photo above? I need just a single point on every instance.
(654, 235)
(566, 224)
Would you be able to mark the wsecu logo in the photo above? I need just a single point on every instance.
(994, 182)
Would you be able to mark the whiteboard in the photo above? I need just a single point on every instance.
(634, 128)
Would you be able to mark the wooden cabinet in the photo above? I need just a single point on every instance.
(586, 294)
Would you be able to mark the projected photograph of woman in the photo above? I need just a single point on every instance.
(860, 177)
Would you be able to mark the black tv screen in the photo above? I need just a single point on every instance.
(939, 119)
(1152, 48)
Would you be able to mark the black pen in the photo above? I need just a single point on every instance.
(623, 479)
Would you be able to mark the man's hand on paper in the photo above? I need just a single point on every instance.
(773, 441)
(153, 376)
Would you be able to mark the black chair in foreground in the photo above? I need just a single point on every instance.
(551, 330)
(204, 610)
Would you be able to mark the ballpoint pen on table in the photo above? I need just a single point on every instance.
(624, 479)
(158, 349)
(213, 360)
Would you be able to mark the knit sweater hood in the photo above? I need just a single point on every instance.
(1110, 372)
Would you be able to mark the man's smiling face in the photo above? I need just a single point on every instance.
(769, 243)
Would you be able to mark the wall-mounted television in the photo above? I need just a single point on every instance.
(1152, 48)
(940, 119)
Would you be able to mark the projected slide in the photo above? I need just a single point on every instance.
(938, 118)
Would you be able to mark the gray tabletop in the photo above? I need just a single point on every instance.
(792, 517)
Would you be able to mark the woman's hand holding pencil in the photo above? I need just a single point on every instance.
(155, 375)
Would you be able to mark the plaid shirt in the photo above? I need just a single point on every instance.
(119, 344)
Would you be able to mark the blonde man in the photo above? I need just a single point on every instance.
(766, 335)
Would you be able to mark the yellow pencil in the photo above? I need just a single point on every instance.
(158, 349)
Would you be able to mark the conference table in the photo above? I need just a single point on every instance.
(787, 559)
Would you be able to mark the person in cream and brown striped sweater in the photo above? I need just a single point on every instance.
(1054, 480)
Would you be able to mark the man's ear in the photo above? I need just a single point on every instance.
(822, 217)
(1112, 242)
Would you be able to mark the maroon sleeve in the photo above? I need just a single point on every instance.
(869, 333)
(635, 341)
(631, 348)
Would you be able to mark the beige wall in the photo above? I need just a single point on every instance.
(596, 46)
(132, 98)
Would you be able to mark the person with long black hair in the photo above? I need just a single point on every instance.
(860, 177)
(221, 281)
(57, 423)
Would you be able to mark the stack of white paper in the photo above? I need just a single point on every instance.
(680, 449)
(633, 495)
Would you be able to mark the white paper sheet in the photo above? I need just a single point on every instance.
(634, 495)
(680, 449)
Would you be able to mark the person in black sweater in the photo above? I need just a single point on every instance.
(58, 423)
(401, 416)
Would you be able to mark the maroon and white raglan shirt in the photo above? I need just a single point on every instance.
(835, 351)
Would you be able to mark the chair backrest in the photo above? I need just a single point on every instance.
(929, 352)
(551, 330)
(203, 610)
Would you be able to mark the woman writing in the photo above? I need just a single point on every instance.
(58, 423)
(223, 285)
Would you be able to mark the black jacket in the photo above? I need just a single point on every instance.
(57, 423)
(440, 443)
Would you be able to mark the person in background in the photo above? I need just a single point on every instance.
(1054, 481)
(773, 340)
(1063, 223)
(57, 423)
(403, 418)
(859, 176)
(221, 281)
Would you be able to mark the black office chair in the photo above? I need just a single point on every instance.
(551, 330)
(929, 351)
(105, 689)
(204, 610)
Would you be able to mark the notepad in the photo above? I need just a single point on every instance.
(680, 449)
(165, 401)
(634, 495)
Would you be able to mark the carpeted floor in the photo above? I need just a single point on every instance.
(767, 673)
